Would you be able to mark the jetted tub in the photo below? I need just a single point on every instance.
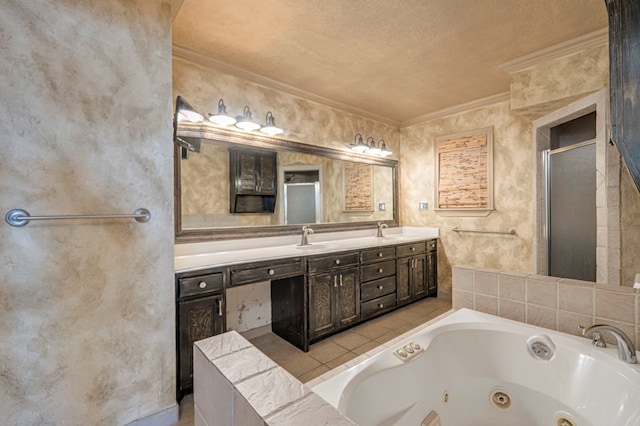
(476, 369)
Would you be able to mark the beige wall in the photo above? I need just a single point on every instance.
(513, 192)
(86, 307)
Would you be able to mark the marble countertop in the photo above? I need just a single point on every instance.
(194, 256)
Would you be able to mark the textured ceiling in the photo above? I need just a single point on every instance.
(395, 59)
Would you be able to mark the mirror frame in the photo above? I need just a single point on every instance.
(212, 133)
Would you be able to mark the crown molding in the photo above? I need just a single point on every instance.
(587, 41)
(189, 55)
(456, 109)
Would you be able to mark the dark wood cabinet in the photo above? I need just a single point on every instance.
(378, 281)
(253, 181)
(334, 301)
(432, 268)
(624, 58)
(200, 313)
(411, 272)
(334, 293)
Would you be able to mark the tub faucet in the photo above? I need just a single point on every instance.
(381, 225)
(306, 230)
(626, 350)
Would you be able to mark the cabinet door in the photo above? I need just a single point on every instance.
(418, 277)
(197, 319)
(321, 304)
(247, 173)
(432, 274)
(268, 175)
(403, 277)
(348, 300)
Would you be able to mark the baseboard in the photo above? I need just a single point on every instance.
(167, 417)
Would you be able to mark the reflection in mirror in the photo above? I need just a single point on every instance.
(313, 185)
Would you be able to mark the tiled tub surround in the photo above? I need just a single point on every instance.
(236, 384)
(549, 302)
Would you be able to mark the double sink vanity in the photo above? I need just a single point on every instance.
(336, 281)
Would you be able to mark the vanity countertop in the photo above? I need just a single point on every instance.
(194, 256)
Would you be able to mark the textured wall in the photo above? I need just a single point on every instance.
(86, 307)
(303, 120)
(513, 192)
(548, 86)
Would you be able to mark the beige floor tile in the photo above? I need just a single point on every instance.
(304, 378)
(299, 364)
(341, 360)
(371, 330)
(387, 336)
(326, 350)
(349, 339)
(366, 347)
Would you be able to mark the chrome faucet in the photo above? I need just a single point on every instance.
(381, 225)
(626, 350)
(306, 230)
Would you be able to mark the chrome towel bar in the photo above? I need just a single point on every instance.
(19, 217)
(480, 231)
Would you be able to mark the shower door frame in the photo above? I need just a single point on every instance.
(607, 187)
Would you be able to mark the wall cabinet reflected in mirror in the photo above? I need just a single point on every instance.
(242, 185)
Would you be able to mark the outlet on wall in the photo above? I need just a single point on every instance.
(423, 206)
(382, 207)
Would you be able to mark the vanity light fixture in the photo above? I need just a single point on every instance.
(245, 122)
(384, 152)
(270, 128)
(185, 112)
(221, 118)
(373, 148)
(358, 144)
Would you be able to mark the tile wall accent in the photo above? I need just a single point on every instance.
(555, 303)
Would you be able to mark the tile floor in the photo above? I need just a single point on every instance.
(339, 348)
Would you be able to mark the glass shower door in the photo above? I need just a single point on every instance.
(571, 212)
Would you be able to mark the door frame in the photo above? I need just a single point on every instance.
(607, 186)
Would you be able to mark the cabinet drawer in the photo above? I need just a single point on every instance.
(266, 272)
(379, 305)
(432, 245)
(377, 288)
(377, 254)
(377, 270)
(202, 284)
(327, 263)
(410, 249)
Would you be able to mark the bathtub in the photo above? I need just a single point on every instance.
(476, 369)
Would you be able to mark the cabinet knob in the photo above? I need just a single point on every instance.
(380, 287)
(379, 254)
(337, 261)
(380, 305)
(412, 249)
(271, 271)
(202, 284)
(380, 270)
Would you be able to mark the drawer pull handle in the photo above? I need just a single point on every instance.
(380, 287)
(202, 284)
(380, 305)
(340, 280)
(379, 254)
(412, 249)
(337, 261)
(380, 271)
(335, 281)
(271, 271)
(219, 308)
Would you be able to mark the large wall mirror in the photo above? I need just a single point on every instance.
(246, 185)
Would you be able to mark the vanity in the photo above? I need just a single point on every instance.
(241, 201)
(339, 280)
